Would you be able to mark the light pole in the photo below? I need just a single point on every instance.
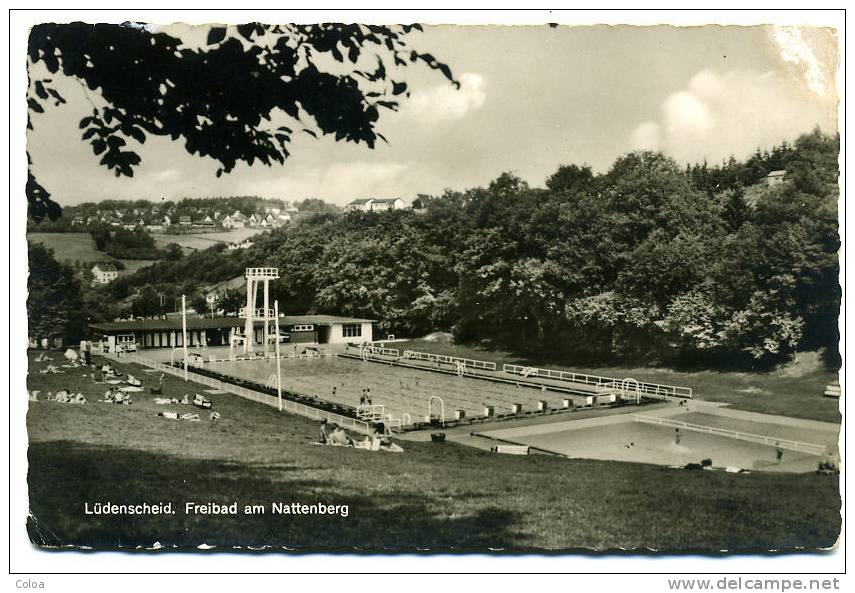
(184, 331)
(278, 359)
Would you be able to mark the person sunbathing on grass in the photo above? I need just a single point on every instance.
(339, 437)
(177, 416)
(131, 380)
(120, 397)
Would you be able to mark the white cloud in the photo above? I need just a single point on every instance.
(444, 102)
(647, 136)
(718, 115)
(794, 49)
(167, 175)
(687, 114)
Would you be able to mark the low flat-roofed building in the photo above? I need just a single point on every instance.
(216, 331)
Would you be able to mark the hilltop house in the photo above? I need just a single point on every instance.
(104, 273)
(362, 204)
(775, 178)
(418, 205)
(388, 204)
(375, 204)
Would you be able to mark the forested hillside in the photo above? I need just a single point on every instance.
(649, 261)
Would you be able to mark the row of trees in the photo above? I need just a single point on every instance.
(120, 243)
(649, 261)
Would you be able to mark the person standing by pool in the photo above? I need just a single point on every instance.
(677, 436)
(779, 452)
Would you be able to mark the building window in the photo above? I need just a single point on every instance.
(125, 339)
(303, 328)
(351, 330)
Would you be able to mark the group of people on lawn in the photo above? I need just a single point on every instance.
(333, 434)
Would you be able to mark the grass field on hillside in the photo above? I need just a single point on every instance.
(433, 496)
(794, 390)
(71, 247)
(196, 241)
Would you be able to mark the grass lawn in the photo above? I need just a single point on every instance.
(432, 496)
(794, 390)
(71, 247)
(195, 241)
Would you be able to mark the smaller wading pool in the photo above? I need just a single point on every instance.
(625, 439)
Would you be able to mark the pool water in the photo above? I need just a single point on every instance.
(646, 443)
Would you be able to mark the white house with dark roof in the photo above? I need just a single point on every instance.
(363, 204)
(375, 205)
(104, 273)
(387, 204)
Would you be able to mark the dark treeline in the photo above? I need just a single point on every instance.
(649, 261)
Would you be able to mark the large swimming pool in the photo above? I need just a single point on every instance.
(626, 439)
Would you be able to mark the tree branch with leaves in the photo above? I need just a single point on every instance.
(223, 97)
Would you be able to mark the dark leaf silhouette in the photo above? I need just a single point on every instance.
(216, 34)
(220, 98)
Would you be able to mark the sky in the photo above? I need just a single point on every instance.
(532, 98)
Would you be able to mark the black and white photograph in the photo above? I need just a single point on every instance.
(404, 286)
